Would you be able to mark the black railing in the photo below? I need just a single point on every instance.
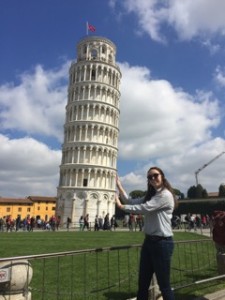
(111, 272)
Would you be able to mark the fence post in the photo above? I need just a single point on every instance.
(154, 292)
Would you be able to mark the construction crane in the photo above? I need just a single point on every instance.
(205, 165)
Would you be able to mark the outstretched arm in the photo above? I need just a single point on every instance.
(120, 188)
(118, 202)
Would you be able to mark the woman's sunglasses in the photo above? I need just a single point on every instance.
(153, 176)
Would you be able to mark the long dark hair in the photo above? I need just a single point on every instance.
(152, 191)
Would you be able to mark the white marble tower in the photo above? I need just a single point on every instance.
(89, 150)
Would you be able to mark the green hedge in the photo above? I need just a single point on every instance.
(199, 206)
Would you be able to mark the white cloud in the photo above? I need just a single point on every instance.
(33, 107)
(194, 18)
(212, 47)
(180, 168)
(159, 125)
(37, 104)
(28, 167)
(164, 126)
(158, 120)
(188, 18)
(219, 76)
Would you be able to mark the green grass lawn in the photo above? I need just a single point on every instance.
(30, 243)
(27, 243)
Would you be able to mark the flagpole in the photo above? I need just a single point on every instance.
(86, 28)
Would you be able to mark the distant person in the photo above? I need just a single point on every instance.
(9, 223)
(113, 223)
(204, 221)
(218, 231)
(86, 221)
(131, 222)
(96, 228)
(106, 225)
(53, 222)
(1, 224)
(18, 222)
(32, 223)
(28, 223)
(100, 222)
(140, 221)
(57, 222)
(218, 234)
(68, 222)
(81, 223)
(157, 206)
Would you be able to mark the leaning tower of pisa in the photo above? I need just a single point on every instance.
(89, 150)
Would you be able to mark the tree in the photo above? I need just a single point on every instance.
(196, 192)
(222, 190)
(178, 193)
(204, 193)
(137, 194)
(191, 192)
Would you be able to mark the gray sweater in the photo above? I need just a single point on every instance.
(157, 211)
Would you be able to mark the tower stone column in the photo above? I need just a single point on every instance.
(91, 129)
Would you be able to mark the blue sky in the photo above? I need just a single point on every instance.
(171, 54)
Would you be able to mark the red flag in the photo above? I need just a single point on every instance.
(91, 28)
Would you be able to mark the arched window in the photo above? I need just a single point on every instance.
(103, 49)
(93, 74)
(94, 53)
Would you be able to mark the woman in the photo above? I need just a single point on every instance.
(157, 207)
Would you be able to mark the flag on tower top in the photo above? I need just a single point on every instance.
(90, 28)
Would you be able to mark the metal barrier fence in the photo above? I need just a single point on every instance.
(108, 273)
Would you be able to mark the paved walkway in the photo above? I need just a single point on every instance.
(220, 295)
(206, 232)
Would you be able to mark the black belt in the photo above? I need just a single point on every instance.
(157, 237)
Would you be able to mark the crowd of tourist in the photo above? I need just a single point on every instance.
(130, 221)
(9, 224)
(191, 221)
(99, 223)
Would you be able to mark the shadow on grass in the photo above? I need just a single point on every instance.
(126, 296)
